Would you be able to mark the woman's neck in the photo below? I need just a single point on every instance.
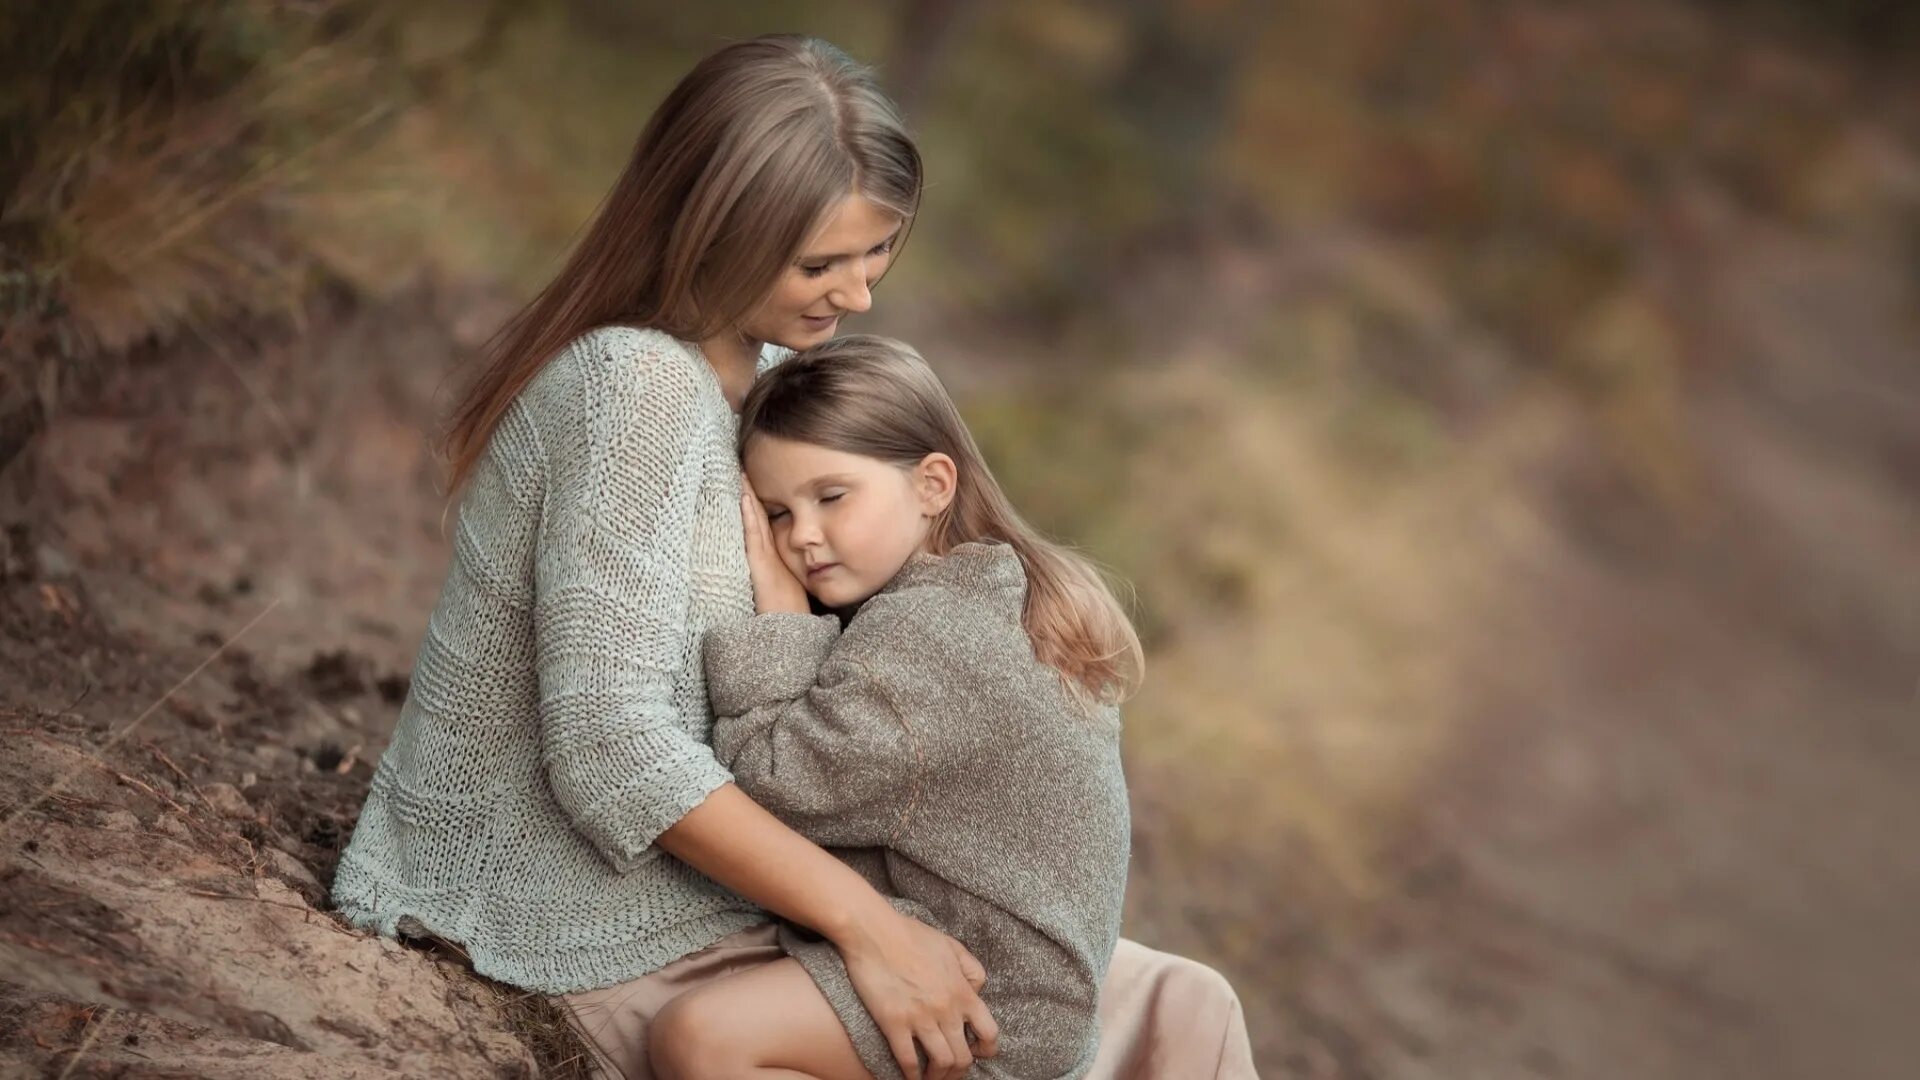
(734, 360)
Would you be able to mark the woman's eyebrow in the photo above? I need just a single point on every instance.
(830, 258)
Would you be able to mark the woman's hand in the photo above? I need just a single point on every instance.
(920, 986)
(774, 586)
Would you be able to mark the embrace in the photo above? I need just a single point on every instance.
(752, 720)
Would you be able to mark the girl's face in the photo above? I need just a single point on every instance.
(844, 523)
(833, 276)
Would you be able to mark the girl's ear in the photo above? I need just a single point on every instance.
(935, 478)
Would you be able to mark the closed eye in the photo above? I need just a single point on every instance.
(814, 270)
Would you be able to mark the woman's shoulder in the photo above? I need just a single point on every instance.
(635, 350)
(771, 356)
(616, 362)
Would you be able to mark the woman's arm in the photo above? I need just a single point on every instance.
(918, 983)
(612, 589)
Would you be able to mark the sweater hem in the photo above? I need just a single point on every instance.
(557, 970)
(828, 970)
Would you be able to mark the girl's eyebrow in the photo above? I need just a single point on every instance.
(814, 484)
(830, 480)
(830, 258)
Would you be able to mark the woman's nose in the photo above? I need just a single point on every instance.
(856, 295)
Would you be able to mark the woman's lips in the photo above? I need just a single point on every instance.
(820, 322)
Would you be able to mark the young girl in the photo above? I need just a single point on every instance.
(956, 742)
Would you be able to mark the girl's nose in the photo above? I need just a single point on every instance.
(803, 533)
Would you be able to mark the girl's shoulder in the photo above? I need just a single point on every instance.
(980, 569)
(965, 604)
(956, 626)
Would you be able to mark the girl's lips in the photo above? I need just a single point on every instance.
(812, 570)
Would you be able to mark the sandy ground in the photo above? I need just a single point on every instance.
(191, 735)
(1671, 837)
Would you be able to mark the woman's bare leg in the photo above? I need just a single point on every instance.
(770, 1023)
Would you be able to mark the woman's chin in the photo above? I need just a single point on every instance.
(800, 339)
(814, 334)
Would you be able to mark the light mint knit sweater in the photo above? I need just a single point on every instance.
(558, 718)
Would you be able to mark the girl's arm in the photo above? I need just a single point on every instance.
(800, 718)
(809, 730)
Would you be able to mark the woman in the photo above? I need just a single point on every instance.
(549, 800)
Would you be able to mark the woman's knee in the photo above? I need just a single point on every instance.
(690, 1040)
(1204, 983)
(1188, 987)
(1141, 965)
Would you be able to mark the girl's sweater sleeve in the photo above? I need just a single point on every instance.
(810, 723)
(611, 593)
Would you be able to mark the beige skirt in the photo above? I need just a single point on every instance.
(1161, 1015)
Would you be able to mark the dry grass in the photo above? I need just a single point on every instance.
(541, 1022)
(151, 184)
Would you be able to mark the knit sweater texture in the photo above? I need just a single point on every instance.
(930, 750)
(557, 720)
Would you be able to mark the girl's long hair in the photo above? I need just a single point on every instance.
(732, 174)
(876, 397)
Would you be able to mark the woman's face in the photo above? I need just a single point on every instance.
(833, 276)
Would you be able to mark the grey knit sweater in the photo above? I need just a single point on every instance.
(557, 720)
(929, 749)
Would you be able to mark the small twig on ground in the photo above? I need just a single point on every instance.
(130, 781)
(177, 771)
(61, 796)
(40, 945)
(302, 909)
(95, 1025)
(75, 703)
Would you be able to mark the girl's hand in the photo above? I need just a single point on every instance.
(774, 586)
(921, 986)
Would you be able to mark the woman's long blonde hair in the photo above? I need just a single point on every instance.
(736, 168)
(876, 397)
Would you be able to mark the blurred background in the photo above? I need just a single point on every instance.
(1507, 413)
